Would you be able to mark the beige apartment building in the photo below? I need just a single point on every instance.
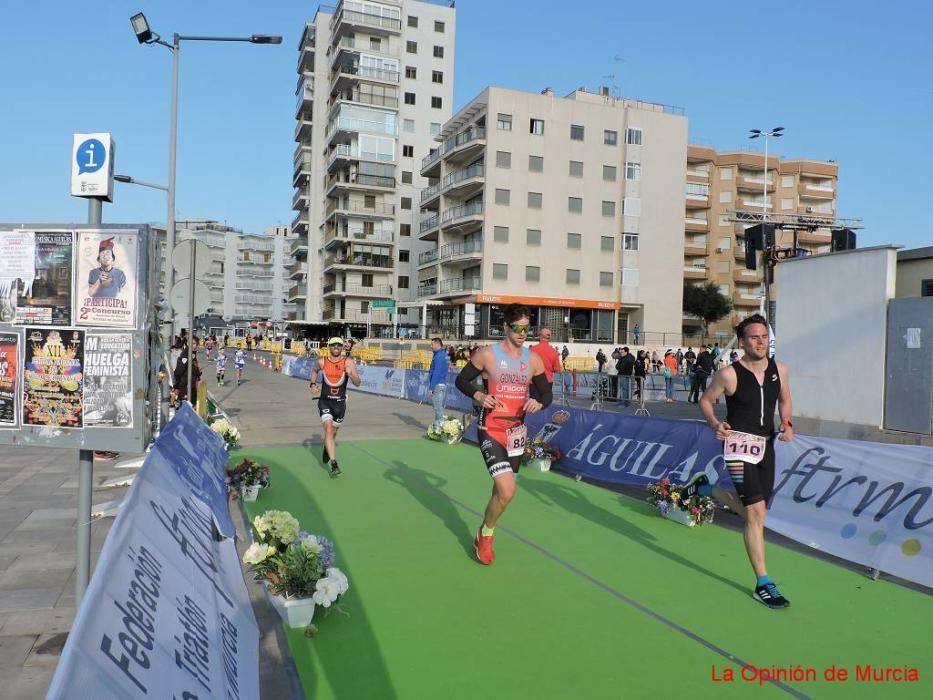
(375, 84)
(571, 205)
(719, 184)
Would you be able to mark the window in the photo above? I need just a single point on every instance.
(787, 181)
(367, 280)
(629, 276)
(725, 196)
(534, 200)
(574, 241)
(369, 201)
(629, 241)
(437, 102)
(532, 273)
(610, 137)
(406, 177)
(375, 43)
(438, 52)
(787, 203)
(403, 255)
(633, 137)
(609, 208)
(503, 159)
(500, 271)
(504, 122)
(412, 21)
(724, 266)
(408, 151)
(404, 229)
(500, 234)
(437, 77)
(573, 276)
(411, 72)
(609, 173)
(725, 173)
(632, 170)
(503, 196)
(926, 288)
(576, 168)
(438, 26)
(536, 126)
(576, 132)
(403, 281)
(411, 46)
(631, 206)
(575, 205)
(435, 128)
(408, 125)
(535, 164)
(606, 244)
(533, 236)
(406, 202)
(697, 190)
(409, 98)
(605, 279)
(364, 307)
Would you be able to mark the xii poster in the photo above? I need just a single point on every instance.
(108, 390)
(53, 378)
(36, 277)
(9, 364)
(106, 279)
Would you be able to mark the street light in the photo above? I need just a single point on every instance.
(144, 35)
(142, 183)
(777, 132)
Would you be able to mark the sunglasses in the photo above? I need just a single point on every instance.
(519, 327)
(335, 345)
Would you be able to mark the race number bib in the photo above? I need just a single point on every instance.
(743, 447)
(515, 440)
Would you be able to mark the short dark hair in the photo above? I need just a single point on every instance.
(751, 320)
(439, 341)
(513, 312)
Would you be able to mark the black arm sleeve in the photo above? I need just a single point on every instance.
(465, 379)
(543, 387)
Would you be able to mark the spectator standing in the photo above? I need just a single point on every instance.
(701, 374)
(564, 354)
(626, 367)
(670, 371)
(636, 331)
(549, 358)
(600, 360)
(437, 380)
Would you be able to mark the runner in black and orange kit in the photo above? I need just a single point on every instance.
(507, 369)
(332, 403)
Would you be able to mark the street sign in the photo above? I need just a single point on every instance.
(181, 259)
(383, 303)
(202, 298)
(92, 158)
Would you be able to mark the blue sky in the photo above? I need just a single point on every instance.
(849, 81)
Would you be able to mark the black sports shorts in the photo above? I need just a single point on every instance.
(754, 482)
(332, 410)
(496, 457)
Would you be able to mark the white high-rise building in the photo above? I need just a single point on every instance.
(375, 84)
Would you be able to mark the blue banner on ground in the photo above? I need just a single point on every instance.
(166, 614)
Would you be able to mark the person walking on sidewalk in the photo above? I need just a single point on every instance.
(508, 368)
(437, 380)
(701, 374)
(753, 386)
(337, 371)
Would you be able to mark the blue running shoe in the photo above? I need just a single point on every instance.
(691, 487)
(769, 595)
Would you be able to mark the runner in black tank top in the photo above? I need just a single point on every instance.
(753, 386)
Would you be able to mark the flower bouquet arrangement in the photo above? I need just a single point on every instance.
(540, 454)
(449, 431)
(227, 431)
(248, 477)
(668, 499)
(296, 567)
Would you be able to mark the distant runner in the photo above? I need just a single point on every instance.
(332, 403)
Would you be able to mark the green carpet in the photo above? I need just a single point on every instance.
(550, 619)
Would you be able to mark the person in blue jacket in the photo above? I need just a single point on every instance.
(437, 380)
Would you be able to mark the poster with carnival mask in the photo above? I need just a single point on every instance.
(108, 390)
(105, 284)
(53, 377)
(35, 277)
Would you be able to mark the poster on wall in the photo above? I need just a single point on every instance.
(53, 377)
(35, 277)
(108, 390)
(9, 365)
(106, 279)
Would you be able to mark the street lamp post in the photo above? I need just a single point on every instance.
(767, 251)
(146, 36)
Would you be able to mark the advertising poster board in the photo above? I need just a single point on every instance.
(53, 378)
(106, 279)
(108, 384)
(36, 277)
(9, 376)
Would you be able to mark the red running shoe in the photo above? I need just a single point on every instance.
(484, 548)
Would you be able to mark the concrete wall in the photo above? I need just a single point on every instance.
(830, 331)
(910, 276)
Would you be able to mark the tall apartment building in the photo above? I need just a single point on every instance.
(570, 205)
(718, 184)
(375, 84)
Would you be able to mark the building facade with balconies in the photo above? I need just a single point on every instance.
(375, 84)
(569, 205)
(719, 184)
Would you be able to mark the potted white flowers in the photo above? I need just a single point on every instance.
(450, 431)
(227, 431)
(295, 567)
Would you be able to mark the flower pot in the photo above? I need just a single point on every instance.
(295, 612)
(679, 516)
(250, 493)
(541, 465)
(453, 439)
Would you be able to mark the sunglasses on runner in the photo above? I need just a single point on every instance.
(335, 345)
(519, 327)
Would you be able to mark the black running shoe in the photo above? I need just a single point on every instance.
(334, 470)
(691, 487)
(769, 595)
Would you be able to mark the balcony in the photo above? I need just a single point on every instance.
(334, 237)
(345, 127)
(739, 253)
(300, 223)
(458, 219)
(697, 201)
(355, 290)
(814, 237)
(695, 272)
(343, 182)
(300, 199)
(428, 258)
(358, 260)
(427, 290)
(304, 128)
(429, 193)
(428, 227)
(306, 60)
(298, 270)
(304, 98)
(743, 183)
(302, 165)
(745, 204)
(350, 45)
(346, 74)
(814, 191)
(299, 245)
(693, 249)
(746, 299)
(356, 97)
(464, 144)
(350, 20)
(359, 209)
(459, 284)
(455, 254)
(465, 183)
(347, 153)
(296, 292)
(692, 225)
